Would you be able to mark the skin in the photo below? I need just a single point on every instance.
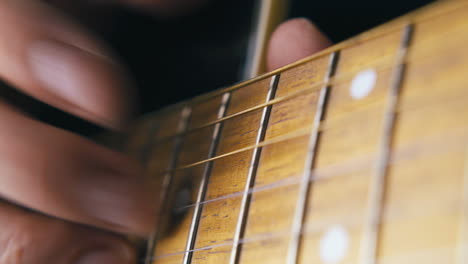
(81, 195)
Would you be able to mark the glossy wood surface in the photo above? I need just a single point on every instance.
(424, 211)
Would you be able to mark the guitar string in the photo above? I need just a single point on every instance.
(355, 223)
(302, 132)
(378, 64)
(323, 173)
(408, 152)
(356, 164)
(433, 255)
(317, 228)
(382, 64)
(369, 36)
(352, 165)
(455, 144)
(326, 125)
(352, 223)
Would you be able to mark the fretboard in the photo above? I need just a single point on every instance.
(357, 154)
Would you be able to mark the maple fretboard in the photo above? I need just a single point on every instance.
(357, 154)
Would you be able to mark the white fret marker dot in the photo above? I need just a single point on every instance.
(363, 83)
(334, 244)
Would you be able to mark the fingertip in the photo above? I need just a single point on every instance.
(86, 84)
(56, 60)
(293, 40)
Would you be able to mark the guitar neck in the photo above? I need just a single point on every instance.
(357, 154)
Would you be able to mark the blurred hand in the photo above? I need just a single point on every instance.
(85, 193)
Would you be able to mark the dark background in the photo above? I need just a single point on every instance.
(176, 59)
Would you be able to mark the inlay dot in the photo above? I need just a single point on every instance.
(334, 244)
(363, 83)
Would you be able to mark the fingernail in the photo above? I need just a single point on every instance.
(70, 73)
(123, 256)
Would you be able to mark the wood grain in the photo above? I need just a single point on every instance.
(423, 206)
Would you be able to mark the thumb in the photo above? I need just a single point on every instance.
(294, 40)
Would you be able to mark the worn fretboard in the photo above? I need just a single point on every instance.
(355, 155)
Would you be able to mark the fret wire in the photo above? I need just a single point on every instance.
(325, 125)
(252, 173)
(402, 155)
(429, 254)
(299, 213)
(425, 147)
(382, 63)
(447, 208)
(291, 135)
(306, 131)
(168, 178)
(394, 26)
(367, 36)
(368, 250)
(352, 165)
(463, 230)
(192, 235)
(358, 161)
(289, 181)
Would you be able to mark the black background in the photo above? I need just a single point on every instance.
(176, 59)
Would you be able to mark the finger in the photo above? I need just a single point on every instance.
(294, 40)
(64, 175)
(28, 237)
(53, 59)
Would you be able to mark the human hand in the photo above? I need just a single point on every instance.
(79, 187)
(92, 193)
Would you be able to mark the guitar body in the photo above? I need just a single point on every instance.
(358, 154)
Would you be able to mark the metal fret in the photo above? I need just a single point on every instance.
(246, 197)
(298, 220)
(368, 253)
(204, 182)
(167, 181)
